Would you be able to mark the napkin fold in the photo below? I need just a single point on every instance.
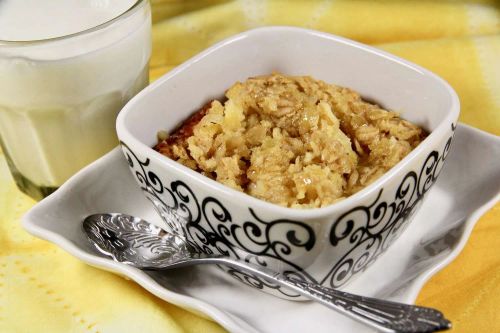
(43, 289)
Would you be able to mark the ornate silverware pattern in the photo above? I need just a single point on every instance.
(133, 241)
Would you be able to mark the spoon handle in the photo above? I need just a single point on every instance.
(385, 316)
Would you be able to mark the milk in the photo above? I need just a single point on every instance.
(24, 20)
(59, 98)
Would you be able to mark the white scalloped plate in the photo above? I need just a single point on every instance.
(468, 186)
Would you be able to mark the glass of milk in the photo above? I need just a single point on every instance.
(67, 67)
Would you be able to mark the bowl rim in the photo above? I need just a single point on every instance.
(450, 119)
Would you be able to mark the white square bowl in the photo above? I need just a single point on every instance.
(329, 245)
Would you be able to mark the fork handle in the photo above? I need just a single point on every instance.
(385, 316)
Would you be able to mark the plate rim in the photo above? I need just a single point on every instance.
(470, 222)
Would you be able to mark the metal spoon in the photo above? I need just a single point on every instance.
(138, 243)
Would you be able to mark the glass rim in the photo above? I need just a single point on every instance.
(98, 27)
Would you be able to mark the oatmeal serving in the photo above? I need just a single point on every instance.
(294, 141)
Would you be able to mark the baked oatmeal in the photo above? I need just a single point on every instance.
(293, 141)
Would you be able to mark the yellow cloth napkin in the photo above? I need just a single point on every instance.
(43, 289)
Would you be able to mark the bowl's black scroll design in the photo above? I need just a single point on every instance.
(208, 226)
(367, 231)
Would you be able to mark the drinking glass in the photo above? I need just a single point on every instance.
(59, 97)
